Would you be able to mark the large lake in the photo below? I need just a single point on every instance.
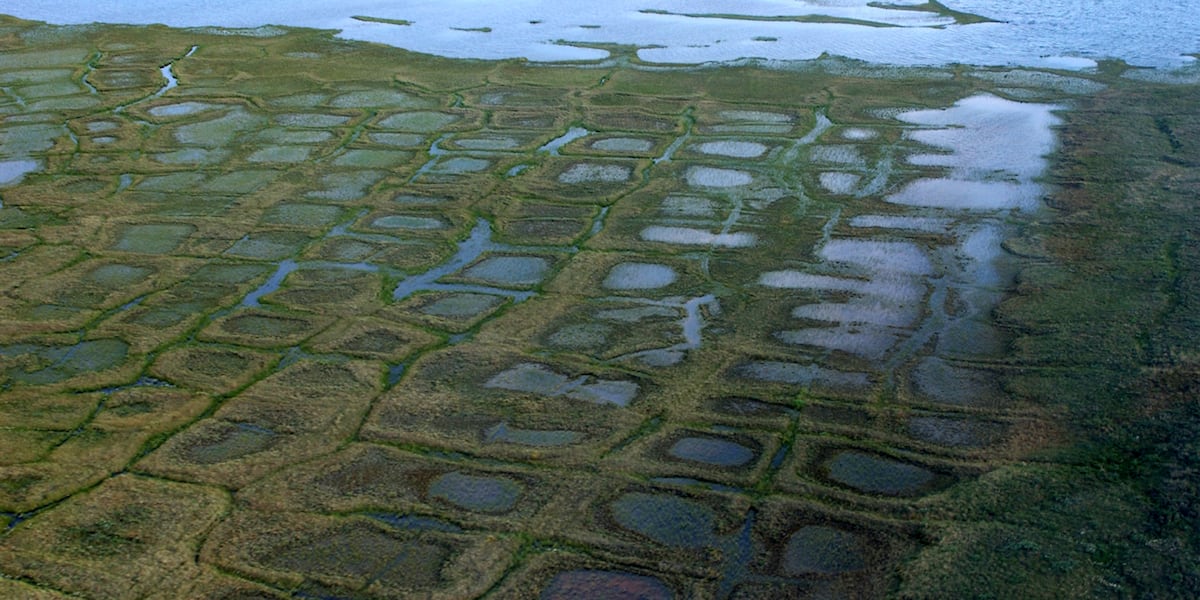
(1051, 33)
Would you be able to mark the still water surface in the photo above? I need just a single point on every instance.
(1055, 33)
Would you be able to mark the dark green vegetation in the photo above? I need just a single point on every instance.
(1108, 326)
(329, 319)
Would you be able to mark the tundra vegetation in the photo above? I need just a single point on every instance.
(284, 315)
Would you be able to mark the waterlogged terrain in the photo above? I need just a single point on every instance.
(1046, 33)
(289, 316)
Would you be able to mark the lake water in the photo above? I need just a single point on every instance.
(1049, 33)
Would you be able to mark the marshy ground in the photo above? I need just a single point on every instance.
(288, 316)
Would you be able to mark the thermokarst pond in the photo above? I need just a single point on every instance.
(289, 315)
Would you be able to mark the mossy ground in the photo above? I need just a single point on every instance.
(206, 377)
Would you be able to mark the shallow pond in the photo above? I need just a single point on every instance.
(461, 164)
(509, 270)
(605, 585)
(697, 237)
(712, 451)
(152, 239)
(488, 143)
(717, 178)
(181, 109)
(839, 183)
(585, 172)
(910, 223)
(818, 549)
(461, 306)
(859, 134)
(408, 222)
(12, 171)
(557, 143)
(54, 364)
(878, 256)
(1045, 33)
(538, 438)
(666, 519)
(419, 121)
(803, 374)
(732, 149)
(476, 492)
(639, 276)
(280, 154)
(311, 120)
(374, 98)
(877, 474)
(622, 145)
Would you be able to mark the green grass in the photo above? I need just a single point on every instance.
(1090, 493)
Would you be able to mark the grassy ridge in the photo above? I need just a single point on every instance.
(1107, 327)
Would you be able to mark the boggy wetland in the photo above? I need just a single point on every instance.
(289, 316)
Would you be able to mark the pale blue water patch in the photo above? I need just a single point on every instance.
(639, 276)
(343, 230)
(289, 266)
(692, 323)
(598, 222)
(1036, 32)
(821, 126)
(538, 379)
(520, 271)
(555, 144)
(691, 327)
(88, 68)
(435, 154)
(131, 304)
(517, 170)
(272, 284)
(13, 171)
(670, 151)
(469, 250)
(168, 73)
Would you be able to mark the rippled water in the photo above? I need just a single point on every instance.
(1061, 33)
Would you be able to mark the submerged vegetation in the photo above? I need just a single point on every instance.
(289, 316)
